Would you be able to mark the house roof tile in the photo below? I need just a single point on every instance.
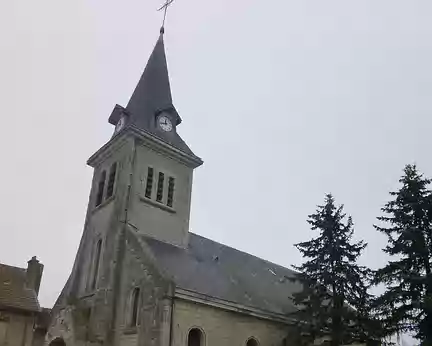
(13, 291)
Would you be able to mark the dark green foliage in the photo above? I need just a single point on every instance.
(334, 302)
(406, 303)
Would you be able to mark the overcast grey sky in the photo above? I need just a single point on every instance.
(284, 100)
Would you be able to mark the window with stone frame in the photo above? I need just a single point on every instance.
(100, 189)
(111, 180)
(160, 186)
(134, 307)
(161, 182)
(252, 342)
(96, 264)
(170, 200)
(195, 337)
(149, 182)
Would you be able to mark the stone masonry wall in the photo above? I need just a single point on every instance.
(16, 329)
(139, 272)
(150, 217)
(222, 327)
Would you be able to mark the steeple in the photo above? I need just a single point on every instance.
(152, 101)
(153, 92)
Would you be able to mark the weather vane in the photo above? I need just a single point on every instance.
(164, 8)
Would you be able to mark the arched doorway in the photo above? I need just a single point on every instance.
(195, 337)
(57, 342)
(252, 342)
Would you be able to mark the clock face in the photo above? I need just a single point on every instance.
(165, 123)
(119, 125)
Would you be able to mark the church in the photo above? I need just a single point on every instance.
(140, 277)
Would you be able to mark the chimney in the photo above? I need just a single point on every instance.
(34, 274)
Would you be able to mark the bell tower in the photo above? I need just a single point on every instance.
(155, 166)
(141, 187)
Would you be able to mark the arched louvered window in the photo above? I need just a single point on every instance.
(100, 189)
(160, 186)
(171, 182)
(111, 180)
(96, 262)
(133, 321)
(195, 337)
(149, 183)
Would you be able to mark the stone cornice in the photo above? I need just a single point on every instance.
(146, 139)
(163, 147)
(108, 148)
(196, 297)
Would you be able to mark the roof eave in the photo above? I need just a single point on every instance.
(148, 138)
(19, 309)
(196, 297)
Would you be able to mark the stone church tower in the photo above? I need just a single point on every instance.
(140, 277)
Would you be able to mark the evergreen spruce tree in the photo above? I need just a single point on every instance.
(406, 304)
(334, 302)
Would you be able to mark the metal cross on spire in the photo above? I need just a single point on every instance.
(164, 7)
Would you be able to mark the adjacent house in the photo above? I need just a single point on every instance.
(22, 321)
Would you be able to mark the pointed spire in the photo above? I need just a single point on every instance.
(151, 98)
(153, 92)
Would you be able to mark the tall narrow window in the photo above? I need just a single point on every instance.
(195, 337)
(160, 185)
(149, 183)
(96, 264)
(134, 307)
(100, 190)
(111, 180)
(170, 200)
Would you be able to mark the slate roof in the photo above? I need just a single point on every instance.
(153, 91)
(13, 291)
(153, 95)
(219, 271)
